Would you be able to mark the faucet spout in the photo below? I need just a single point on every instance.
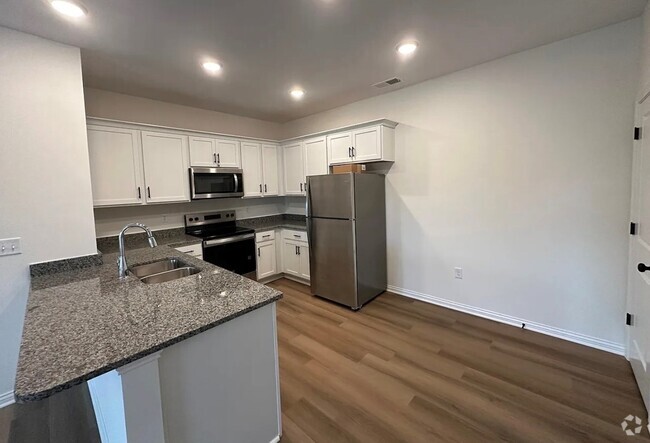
(122, 266)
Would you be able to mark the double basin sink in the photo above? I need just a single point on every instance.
(164, 270)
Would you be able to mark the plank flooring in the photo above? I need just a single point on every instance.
(400, 370)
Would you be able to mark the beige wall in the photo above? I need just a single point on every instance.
(644, 81)
(45, 190)
(111, 105)
(518, 171)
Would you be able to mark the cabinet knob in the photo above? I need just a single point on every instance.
(642, 267)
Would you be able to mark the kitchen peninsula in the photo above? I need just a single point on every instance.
(204, 344)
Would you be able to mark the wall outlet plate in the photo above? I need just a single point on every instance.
(10, 246)
(458, 273)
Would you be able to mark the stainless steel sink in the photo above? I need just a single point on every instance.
(170, 275)
(163, 270)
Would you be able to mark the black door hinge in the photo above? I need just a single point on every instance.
(637, 133)
(632, 228)
(628, 319)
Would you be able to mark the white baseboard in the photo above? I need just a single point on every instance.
(275, 440)
(7, 399)
(593, 342)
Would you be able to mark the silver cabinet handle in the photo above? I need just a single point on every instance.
(300, 186)
(350, 152)
(258, 252)
(215, 157)
(298, 250)
(148, 192)
(267, 235)
(139, 193)
(296, 235)
(354, 154)
(260, 187)
(265, 188)
(218, 159)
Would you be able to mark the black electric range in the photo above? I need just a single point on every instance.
(224, 243)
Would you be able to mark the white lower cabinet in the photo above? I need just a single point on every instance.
(295, 254)
(266, 263)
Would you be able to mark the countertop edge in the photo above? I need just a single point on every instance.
(28, 397)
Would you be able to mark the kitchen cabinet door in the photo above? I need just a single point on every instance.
(366, 144)
(316, 156)
(303, 258)
(266, 263)
(228, 153)
(339, 148)
(294, 176)
(270, 169)
(115, 166)
(166, 162)
(290, 257)
(251, 155)
(202, 152)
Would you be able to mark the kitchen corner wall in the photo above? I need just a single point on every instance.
(45, 190)
(518, 171)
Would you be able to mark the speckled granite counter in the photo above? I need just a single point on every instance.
(287, 221)
(85, 322)
(175, 238)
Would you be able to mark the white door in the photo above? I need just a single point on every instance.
(638, 346)
(228, 153)
(316, 156)
(266, 264)
(366, 144)
(202, 152)
(339, 147)
(303, 256)
(115, 166)
(294, 176)
(165, 158)
(290, 257)
(270, 169)
(251, 160)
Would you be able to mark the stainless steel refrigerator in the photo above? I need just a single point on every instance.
(346, 228)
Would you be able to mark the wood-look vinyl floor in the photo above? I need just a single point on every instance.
(404, 370)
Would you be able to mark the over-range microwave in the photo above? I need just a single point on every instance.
(216, 183)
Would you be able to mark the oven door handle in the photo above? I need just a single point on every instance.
(224, 241)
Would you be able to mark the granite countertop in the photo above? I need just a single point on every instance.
(175, 238)
(85, 322)
(287, 221)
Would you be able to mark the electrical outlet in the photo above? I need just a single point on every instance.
(10, 246)
(458, 273)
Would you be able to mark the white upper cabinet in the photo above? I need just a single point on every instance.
(115, 166)
(340, 148)
(315, 150)
(270, 171)
(228, 153)
(166, 162)
(251, 155)
(202, 152)
(294, 175)
(214, 152)
(363, 144)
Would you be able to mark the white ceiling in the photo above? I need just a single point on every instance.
(334, 49)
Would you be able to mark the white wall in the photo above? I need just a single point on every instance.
(45, 191)
(116, 106)
(110, 221)
(518, 171)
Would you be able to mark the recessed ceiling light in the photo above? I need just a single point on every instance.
(297, 93)
(211, 67)
(69, 8)
(407, 48)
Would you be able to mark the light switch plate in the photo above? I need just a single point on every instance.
(458, 273)
(10, 246)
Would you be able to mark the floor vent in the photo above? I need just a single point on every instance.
(389, 82)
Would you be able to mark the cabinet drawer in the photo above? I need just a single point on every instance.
(194, 250)
(294, 235)
(264, 236)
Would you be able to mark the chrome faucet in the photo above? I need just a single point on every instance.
(121, 258)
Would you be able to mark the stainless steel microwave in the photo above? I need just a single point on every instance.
(216, 183)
